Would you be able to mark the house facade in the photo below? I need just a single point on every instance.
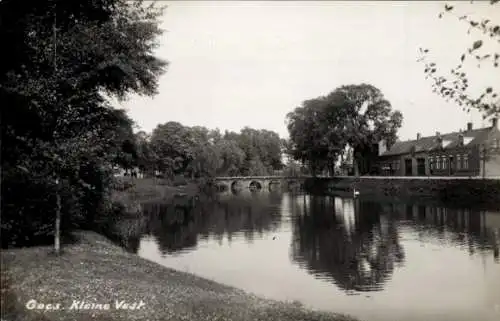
(469, 152)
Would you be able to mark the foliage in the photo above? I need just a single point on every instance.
(59, 132)
(354, 116)
(484, 51)
(199, 152)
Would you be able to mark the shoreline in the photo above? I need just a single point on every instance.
(463, 191)
(95, 271)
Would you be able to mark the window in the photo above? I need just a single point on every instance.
(443, 159)
(459, 162)
(466, 161)
(437, 163)
(431, 162)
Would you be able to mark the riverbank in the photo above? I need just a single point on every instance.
(97, 272)
(151, 189)
(484, 192)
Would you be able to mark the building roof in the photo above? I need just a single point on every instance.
(450, 140)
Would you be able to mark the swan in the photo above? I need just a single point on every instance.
(355, 192)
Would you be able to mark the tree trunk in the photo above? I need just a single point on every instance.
(484, 166)
(331, 169)
(355, 167)
(57, 231)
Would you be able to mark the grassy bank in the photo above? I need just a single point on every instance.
(96, 271)
(150, 189)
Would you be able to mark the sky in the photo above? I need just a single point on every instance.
(243, 63)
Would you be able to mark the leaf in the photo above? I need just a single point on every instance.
(489, 90)
(477, 44)
(448, 8)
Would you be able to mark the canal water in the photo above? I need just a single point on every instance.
(375, 260)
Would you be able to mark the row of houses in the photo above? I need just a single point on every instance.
(467, 152)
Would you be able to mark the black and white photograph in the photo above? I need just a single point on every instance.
(250, 160)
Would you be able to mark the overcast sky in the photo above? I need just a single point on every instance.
(236, 64)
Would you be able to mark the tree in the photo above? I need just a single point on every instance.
(308, 143)
(232, 157)
(146, 158)
(483, 52)
(66, 59)
(355, 116)
(170, 142)
(366, 119)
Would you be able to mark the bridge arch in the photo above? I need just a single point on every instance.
(221, 187)
(273, 184)
(235, 185)
(255, 185)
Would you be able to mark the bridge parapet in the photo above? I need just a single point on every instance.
(260, 177)
(258, 182)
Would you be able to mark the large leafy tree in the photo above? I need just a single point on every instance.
(308, 142)
(363, 118)
(483, 52)
(171, 143)
(354, 116)
(65, 60)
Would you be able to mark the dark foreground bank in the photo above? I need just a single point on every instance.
(97, 272)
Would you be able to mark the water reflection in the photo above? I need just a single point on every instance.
(348, 242)
(374, 259)
(354, 243)
(179, 227)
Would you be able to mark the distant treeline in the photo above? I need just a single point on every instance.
(198, 152)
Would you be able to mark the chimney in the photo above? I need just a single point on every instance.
(461, 139)
(494, 123)
(469, 127)
(439, 139)
(418, 136)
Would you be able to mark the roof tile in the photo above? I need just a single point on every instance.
(430, 143)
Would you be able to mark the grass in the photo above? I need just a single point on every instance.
(149, 189)
(95, 270)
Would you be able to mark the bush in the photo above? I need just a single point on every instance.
(179, 181)
(29, 205)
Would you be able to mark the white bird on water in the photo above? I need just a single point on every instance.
(355, 192)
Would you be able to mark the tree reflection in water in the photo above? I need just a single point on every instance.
(178, 227)
(334, 241)
(356, 244)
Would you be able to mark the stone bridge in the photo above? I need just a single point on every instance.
(259, 182)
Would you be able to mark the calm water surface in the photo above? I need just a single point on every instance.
(371, 259)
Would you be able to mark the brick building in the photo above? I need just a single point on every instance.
(469, 152)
